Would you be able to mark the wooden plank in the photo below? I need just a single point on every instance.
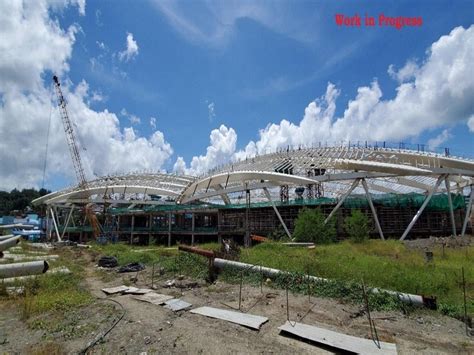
(153, 298)
(338, 340)
(247, 320)
(177, 305)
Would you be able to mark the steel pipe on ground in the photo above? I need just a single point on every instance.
(416, 300)
(23, 269)
(8, 243)
(5, 237)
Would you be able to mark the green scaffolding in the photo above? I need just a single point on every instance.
(438, 202)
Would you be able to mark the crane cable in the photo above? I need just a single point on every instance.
(47, 138)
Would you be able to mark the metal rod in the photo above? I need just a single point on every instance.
(373, 330)
(465, 303)
(240, 289)
(468, 212)
(67, 221)
(265, 190)
(450, 202)
(374, 213)
(420, 211)
(341, 201)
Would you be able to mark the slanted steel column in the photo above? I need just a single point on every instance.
(450, 201)
(169, 229)
(131, 229)
(420, 211)
(67, 221)
(341, 201)
(55, 224)
(265, 190)
(374, 213)
(192, 228)
(468, 212)
(247, 221)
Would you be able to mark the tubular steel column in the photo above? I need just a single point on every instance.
(169, 229)
(420, 211)
(247, 222)
(450, 201)
(192, 228)
(265, 190)
(67, 221)
(55, 224)
(374, 213)
(468, 212)
(131, 230)
(341, 201)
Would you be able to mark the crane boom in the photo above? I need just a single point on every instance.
(70, 135)
(75, 155)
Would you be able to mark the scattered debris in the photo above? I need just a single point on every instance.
(132, 267)
(108, 262)
(245, 319)
(170, 283)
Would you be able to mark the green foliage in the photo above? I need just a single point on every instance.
(383, 264)
(278, 234)
(357, 226)
(310, 227)
(16, 200)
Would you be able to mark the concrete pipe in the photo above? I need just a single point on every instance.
(24, 269)
(416, 300)
(5, 237)
(8, 243)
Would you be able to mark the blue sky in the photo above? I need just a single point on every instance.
(200, 65)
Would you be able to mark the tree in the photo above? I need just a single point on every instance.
(357, 226)
(310, 227)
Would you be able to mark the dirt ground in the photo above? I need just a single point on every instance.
(151, 329)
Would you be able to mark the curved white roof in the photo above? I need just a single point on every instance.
(385, 170)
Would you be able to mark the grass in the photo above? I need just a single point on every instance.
(385, 264)
(52, 292)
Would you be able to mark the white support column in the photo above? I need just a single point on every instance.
(420, 211)
(48, 227)
(468, 212)
(55, 224)
(374, 213)
(67, 221)
(450, 201)
(265, 190)
(341, 201)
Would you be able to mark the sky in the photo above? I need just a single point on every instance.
(183, 86)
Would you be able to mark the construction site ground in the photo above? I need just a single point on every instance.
(152, 329)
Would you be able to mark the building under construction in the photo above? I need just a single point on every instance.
(405, 193)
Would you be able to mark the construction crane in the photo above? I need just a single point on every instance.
(75, 155)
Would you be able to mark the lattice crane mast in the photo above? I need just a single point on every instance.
(75, 155)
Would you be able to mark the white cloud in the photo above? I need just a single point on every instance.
(223, 141)
(131, 51)
(435, 142)
(153, 122)
(131, 117)
(440, 93)
(211, 108)
(470, 123)
(36, 44)
(214, 22)
(179, 166)
(82, 7)
(408, 72)
(101, 45)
